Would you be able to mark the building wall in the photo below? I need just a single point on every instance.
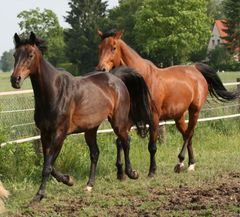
(215, 39)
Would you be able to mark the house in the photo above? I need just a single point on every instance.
(217, 36)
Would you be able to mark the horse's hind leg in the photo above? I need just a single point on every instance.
(125, 139)
(187, 133)
(119, 164)
(152, 146)
(91, 140)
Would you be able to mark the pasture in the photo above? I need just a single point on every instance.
(212, 190)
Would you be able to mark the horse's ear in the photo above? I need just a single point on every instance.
(32, 38)
(118, 35)
(17, 39)
(100, 33)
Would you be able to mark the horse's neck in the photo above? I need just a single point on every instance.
(42, 83)
(132, 59)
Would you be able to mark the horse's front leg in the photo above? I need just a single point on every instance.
(91, 140)
(52, 144)
(64, 178)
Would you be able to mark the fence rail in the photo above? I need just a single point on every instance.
(19, 117)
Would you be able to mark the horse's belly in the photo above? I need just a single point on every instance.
(82, 123)
(173, 110)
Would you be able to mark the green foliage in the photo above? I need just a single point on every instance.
(232, 11)
(45, 24)
(221, 59)
(85, 18)
(123, 18)
(19, 162)
(170, 31)
(215, 9)
(69, 67)
(7, 61)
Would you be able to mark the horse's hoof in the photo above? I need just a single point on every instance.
(37, 198)
(88, 188)
(133, 174)
(191, 168)
(179, 167)
(68, 180)
(121, 177)
(151, 174)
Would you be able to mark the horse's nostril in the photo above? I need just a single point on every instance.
(104, 69)
(18, 79)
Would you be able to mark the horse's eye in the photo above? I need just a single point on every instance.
(30, 56)
(113, 49)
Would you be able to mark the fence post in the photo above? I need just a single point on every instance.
(238, 89)
(162, 134)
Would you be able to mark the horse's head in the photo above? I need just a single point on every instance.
(26, 56)
(109, 50)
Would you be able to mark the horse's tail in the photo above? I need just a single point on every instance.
(3, 194)
(141, 101)
(215, 85)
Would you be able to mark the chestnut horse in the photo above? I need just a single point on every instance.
(65, 104)
(174, 90)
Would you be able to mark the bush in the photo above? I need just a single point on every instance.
(69, 67)
(19, 162)
(221, 59)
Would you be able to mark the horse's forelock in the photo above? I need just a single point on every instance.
(40, 43)
(109, 33)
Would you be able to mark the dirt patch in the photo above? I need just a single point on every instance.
(220, 199)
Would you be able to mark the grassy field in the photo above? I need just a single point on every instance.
(5, 84)
(212, 190)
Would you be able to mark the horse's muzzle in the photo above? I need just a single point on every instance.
(16, 81)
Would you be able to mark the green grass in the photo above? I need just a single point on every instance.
(5, 84)
(217, 153)
(229, 76)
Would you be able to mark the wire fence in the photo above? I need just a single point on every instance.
(17, 114)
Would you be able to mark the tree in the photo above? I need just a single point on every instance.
(215, 9)
(44, 24)
(219, 57)
(85, 18)
(232, 23)
(170, 31)
(123, 18)
(7, 61)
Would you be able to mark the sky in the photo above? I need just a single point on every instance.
(11, 8)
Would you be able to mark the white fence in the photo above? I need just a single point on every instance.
(211, 111)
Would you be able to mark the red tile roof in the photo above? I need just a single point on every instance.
(221, 27)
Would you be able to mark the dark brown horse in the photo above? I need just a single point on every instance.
(65, 104)
(175, 90)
